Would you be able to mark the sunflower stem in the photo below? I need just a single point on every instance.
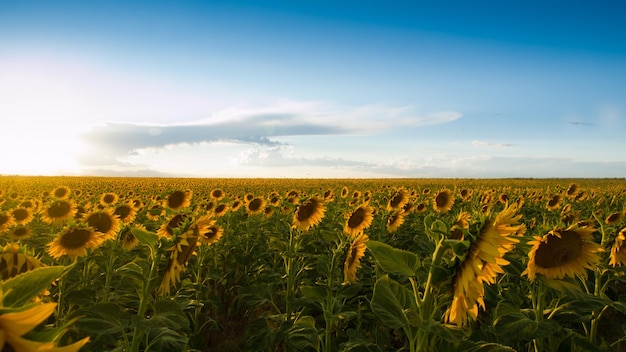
(425, 306)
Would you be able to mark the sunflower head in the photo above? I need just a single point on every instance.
(563, 253)
(217, 194)
(103, 221)
(443, 201)
(358, 220)
(74, 241)
(398, 200)
(395, 220)
(58, 212)
(61, 192)
(356, 251)
(618, 249)
(109, 199)
(255, 206)
(178, 199)
(309, 213)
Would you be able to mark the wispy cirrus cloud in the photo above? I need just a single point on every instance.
(486, 144)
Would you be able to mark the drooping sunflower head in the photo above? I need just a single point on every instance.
(563, 253)
(175, 222)
(103, 221)
(74, 241)
(572, 190)
(614, 218)
(443, 201)
(128, 239)
(329, 196)
(395, 220)
(309, 213)
(178, 199)
(503, 198)
(358, 220)
(554, 202)
(398, 200)
(618, 249)
(356, 251)
(344, 191)
(58, 212)
(465, 194)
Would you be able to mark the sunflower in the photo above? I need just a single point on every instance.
(221, 210)
(217, 194)
(155, 212)
(274, 199)
(443, 201)
(58, 212)
(126, 213)
(109, 199)
(572, 190)
(358, 220)
(22, 216)
(344, 191)
(128, 239)
(182, 250)
(482, 263)
(268, 212)
(353, 258)
(178, 200)
(14, 261)
(309, 213)
(167, 229)
(503, 198)
(420, 208)
(14, 325)
(236, 205)
(103, 221)
(255, 206)
(618, 250)
(399, 199)
(74, 241)
(461, 223)
(554, 202)
(6, 221)
(563, 252)
(329, 196)
(612, 219)
(20, 232)
(211, 235)
(465, 194)
(395, 220)
(61, 192)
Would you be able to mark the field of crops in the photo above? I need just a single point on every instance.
(155, 264)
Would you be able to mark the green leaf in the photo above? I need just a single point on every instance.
(165, 313)
(314, 293)
(303, 334)
(512, 324)
(394, 260)
(146, 237)
(393, 303)
(22, 288)
(485, 347)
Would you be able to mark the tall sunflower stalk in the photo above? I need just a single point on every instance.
(421, 309)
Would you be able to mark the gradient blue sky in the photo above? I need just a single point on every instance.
(313, 88)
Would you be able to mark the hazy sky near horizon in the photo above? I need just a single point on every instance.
(313, 88)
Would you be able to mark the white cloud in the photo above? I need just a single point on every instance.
(486, 144)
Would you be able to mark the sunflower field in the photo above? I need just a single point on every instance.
(158, 264)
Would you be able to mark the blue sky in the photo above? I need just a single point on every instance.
(313, 88)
